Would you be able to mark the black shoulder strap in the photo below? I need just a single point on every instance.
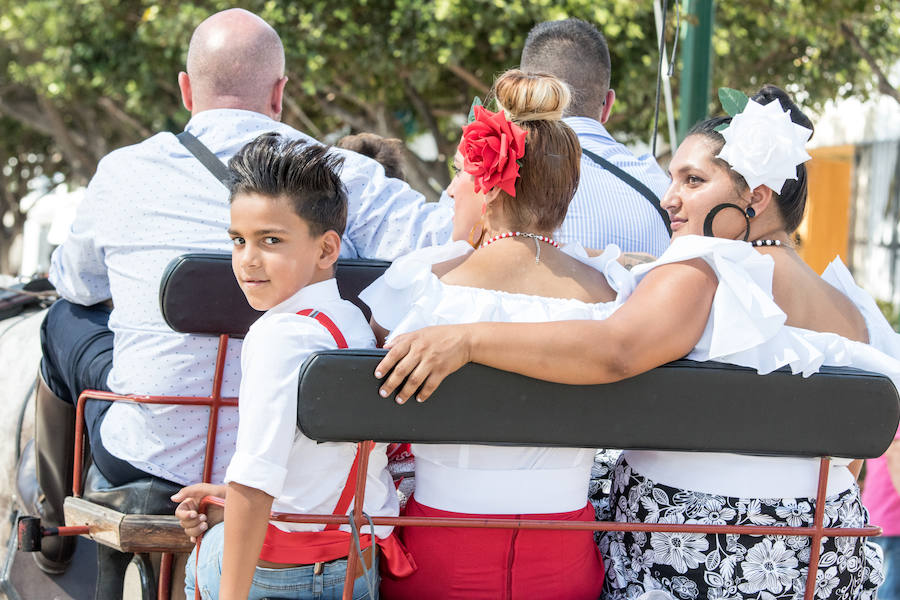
(205, 156)
(632, 181)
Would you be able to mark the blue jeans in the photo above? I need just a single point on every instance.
(299, 583)
(890, 589)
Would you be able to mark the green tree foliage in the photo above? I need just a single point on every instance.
(85, 76)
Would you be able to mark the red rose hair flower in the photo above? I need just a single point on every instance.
(490, 146)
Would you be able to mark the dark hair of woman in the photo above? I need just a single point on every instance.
(792, 199)
(387, 151)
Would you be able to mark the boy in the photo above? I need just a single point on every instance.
(288, 211)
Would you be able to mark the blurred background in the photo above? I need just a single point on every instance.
(79, 78)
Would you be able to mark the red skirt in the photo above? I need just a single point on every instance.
(456, 562)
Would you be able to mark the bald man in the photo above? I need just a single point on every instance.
(146, 205)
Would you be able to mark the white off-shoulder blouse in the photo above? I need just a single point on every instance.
(747, 328)
(474, 478)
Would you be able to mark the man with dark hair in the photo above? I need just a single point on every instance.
(146, 205)
(614, 201)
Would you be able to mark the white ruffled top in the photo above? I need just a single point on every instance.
(506, 480)
(747, 328)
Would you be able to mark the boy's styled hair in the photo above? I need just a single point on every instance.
(304, 174)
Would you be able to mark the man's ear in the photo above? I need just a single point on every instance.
(329, 249)
(184, 84)
(277, 97)
(761, 199)
(607, 106)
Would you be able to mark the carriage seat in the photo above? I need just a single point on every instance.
(681, 406)
(198, 295)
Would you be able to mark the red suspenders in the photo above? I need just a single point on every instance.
(312, 547)
(327, 323)
(350, 485)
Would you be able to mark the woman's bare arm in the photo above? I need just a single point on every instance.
(662, 321)
(380, 332)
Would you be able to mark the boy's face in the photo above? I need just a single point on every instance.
(274, 255)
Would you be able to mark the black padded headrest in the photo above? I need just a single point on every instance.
(684, 405)
(199, 294)
(355, 275)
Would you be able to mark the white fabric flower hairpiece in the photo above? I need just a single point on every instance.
(762, 143)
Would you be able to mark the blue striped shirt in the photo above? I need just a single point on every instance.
(607, 210)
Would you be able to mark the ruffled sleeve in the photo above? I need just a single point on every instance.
(881, 334)
(743, 314)
(747, 328)
(607, 263)
(408, 282)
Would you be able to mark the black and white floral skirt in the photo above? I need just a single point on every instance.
(691, 566)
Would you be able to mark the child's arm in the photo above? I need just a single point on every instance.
(188, 514)
(246, 519)
(271, 356)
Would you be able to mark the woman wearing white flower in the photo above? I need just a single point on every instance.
(710, 296)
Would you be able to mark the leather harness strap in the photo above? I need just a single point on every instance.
(205, 156)
(632, 182)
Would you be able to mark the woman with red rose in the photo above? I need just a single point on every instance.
(517, 170)
(730, 288)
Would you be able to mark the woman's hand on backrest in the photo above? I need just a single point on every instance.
(422, 359)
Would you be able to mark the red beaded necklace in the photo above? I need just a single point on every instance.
(537, 238)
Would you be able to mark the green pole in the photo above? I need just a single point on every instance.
(697, 64)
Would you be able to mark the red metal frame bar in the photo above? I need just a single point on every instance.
(164, 587)
(363, 449)
(216, 402)
(66, 531)
(817, 531)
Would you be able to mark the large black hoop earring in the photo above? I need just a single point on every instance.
(708, 221)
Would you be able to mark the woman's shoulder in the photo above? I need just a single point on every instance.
(734, 264)
(409, 281)
(553, 275)
(812, 302)
(881, 334)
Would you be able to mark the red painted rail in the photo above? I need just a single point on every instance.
(215, 401)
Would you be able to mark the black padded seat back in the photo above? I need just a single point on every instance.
(199, 294)
(355, 275)
(684, 405)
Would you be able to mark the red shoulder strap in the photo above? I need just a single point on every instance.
(350, 485)
(327, 323)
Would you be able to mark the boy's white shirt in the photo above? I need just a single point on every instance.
(272, 455)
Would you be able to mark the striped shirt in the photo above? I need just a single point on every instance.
(605, 209)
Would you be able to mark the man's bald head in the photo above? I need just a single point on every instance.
(235, 60)
(574, 51)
